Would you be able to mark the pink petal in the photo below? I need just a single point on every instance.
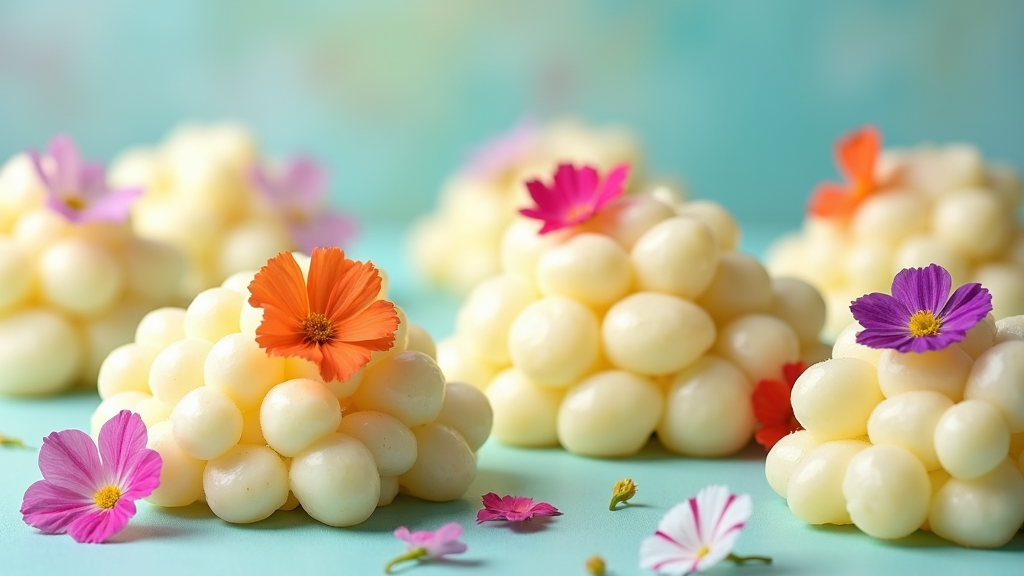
(545, 509)
(51, 508)
(450, 532)
(111, 207)
(613, 185)
(446, 541)
(92, 182)
(663, 555)
(517, 503)
(324, 231)
(127, 462)
(403, 534)
(66, 172)
(487, 515)
(55, 203)
(679, 526)
(69, 459)
(306, 183)
(96, 526)
(518, 516)
(491, 501)
(586, 186)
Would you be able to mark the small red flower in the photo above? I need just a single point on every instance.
(856, 155)
(772, 406)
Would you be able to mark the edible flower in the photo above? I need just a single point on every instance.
(88, 494)
(335, 320)
(575, 195)
(426, 545)
(856, 156)
(512, 508)
(699, 533)
(595, 565)
(773, 408)
(497, 155)
(299, 193)
(622, 492)
(11, 442)
(920, 315)
(76, 189)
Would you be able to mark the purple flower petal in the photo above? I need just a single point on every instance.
(69, 459)
(323, 231)
(129, 465)
(98, 525)
(64, 174)
(877, 311)
(51, 508)
(922, 288)
(968, 305)
(111, 207)
(307, 182)
(499, 154)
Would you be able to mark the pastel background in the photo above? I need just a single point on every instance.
(742, 98)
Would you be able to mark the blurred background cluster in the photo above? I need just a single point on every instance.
(742, 99)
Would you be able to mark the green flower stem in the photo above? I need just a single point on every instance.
(414, 554)
(616, 499)
(12, 442)
(745, 559)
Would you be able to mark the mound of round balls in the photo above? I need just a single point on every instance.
(942, 205)
(645, 319)
(200, 199)
(896, 442)
(251, 434)
(69, 292)
(458, 245)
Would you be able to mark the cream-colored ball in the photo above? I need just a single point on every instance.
(153, 270)
(721, 222)
(815, 489)
(611, 413)
(421, 341)
(740, 286)
(101, 334)
(459, 365)
(181, 476)
(677, 256)
(239, 282)
(627, 218)
(909, 421)
(1005, 280)
(37, 229)
(408, 385)
(868, 267)
(1009, 328)
(800, 306)
(16, 275)
(554, 340)
(816, 352)
(125, 368)
(921, 250)
(111, 406)
(246, 484)
(971, 439)
(846, 346)
(522, 246)
(153, 411)
(161, 328)
(890, 217)
(837, 312)
(252, 430)
(825, 244)
(525, 413)
(486, 315)
(784, 456)
(980, 338)
(707, 410)
(1004, 181)
(249, 245)
(759, 345)
(297, 413)
(444, 468)
(887, 492)
(984, 512)
(467, 411)
(834, 399)
(997, 377)
(388, 490)
(213, 314)
(590, 268)
(206, 423)
(400, 342)
(237, 366)
(178, 369)
(249, 318)
(974, 222)
(785, 256)
(40, 353)
(336, 480)
(80, 277)
(20, 189)
(392, 444)
(942, 371)
(653, 334)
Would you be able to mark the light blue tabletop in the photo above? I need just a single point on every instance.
(192, 540)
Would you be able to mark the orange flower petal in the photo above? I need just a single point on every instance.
(327, 266)
(280, 284)
(832, 201)
(342, 359)
(857, 155)
(356, 290)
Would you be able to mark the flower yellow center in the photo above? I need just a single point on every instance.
(107, 497)
(578, 213)
(317, 328)
(923, 323)
(75, 202)
(703, 551)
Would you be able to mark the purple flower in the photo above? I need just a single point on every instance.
(299, 194)
(920, 315)
(430, 545)
(88, 494)
(77, 189)
(499, 154)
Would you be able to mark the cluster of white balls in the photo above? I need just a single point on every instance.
(199, 199)
(69, 292)
(644, 319)
(894, 442)
(457, 246)
(941, 205)
(250, 434)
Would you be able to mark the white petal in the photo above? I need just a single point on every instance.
(681, 525)
(733, 518)
(663, 556)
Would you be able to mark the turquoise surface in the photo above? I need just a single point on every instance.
(192, 540)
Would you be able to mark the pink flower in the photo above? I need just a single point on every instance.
(501, 153)
(699, 533)
(299, 194)
(512, 508)
(575, 196)
(76, 189)
(429, 545)
(91, 495)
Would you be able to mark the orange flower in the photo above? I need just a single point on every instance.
(334, 321)
(856, 156)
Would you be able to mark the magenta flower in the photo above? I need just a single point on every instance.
(699, 533)
(501, 153)
(429, 545)
(575, 196)
(299, 194)
(91, 495)
(512, 508)
(77, 189)
(920, 315)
